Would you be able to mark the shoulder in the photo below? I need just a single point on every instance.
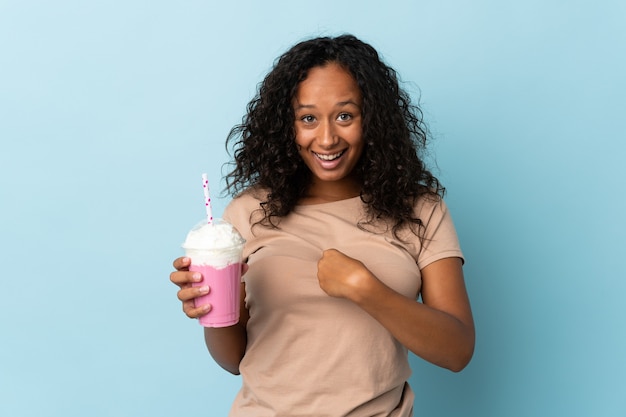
(440, 239)
(241, 210)
(436, 237)
(430, 207)
(248, 197)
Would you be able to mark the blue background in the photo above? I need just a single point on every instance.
(111, 110)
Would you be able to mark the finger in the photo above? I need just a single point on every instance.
(194, 312)
(244, 268)
(182, 264)
(185, 278)
(190, 293)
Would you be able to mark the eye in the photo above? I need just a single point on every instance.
(344, 117)
(308, 119)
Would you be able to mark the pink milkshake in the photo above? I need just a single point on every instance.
(215, 251)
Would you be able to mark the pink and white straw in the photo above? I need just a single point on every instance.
(207, 199)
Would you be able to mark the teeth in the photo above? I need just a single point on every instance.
(328, 157)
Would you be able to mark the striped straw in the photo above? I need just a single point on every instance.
(207, 199)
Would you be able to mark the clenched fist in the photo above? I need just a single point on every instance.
(342, 276)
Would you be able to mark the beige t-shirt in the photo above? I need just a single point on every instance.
(310, 354)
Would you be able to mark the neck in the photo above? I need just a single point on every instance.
(326, 192)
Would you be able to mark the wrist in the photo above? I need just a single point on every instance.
(366, 286)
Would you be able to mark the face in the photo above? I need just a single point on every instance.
(327, 109)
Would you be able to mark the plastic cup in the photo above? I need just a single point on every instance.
(216, 251)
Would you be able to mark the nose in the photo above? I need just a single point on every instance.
(328, 136)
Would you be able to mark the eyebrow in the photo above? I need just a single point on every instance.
(339, 104)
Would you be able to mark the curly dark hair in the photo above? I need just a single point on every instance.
(391, 169)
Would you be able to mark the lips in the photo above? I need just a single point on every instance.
(329, 157)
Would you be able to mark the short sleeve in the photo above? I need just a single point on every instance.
(440, 239)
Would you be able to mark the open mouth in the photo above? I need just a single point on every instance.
(329, 157)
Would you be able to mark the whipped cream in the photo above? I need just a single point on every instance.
(218, 244)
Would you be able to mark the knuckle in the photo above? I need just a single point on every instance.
(179, 278)
(185, 296)
(189, 310)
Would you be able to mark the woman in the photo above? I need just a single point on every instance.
(345, 229)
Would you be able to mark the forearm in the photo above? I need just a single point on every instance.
(227, 345)
(440, 330)
(433, 335)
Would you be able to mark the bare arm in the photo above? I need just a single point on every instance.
(439, 330)
(227, 345)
